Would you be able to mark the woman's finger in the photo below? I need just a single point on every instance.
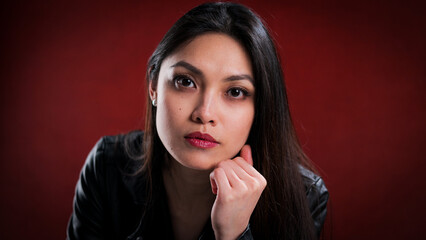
(219, 181)
(213, 183)
(247, 167)
(234, 178)
(245, 153)
(239, 171)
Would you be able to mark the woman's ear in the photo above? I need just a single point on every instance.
(152, 90)
(153, 93)
(152, 86)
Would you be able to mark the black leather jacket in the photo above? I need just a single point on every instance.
(111, 203)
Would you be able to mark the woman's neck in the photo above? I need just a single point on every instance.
(186, 185)
(190, 199)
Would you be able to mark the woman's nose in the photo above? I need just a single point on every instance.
(205, 111)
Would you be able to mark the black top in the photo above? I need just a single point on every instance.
(110, 202)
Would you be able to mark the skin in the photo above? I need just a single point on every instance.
(207, 86)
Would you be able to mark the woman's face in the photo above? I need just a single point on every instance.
(205, 101)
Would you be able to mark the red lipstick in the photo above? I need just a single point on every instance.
(201, 140)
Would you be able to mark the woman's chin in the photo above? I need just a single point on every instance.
(199, 163)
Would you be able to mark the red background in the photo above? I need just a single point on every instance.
(74, 71)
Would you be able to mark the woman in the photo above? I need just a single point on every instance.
(219, 158)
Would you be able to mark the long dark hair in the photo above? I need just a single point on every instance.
(282, 211)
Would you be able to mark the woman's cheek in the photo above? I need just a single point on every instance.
(239, 124)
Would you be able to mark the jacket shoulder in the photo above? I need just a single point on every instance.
(103, 191)
(312, 180)
(123, 145)
(123, 153)
(317, 197)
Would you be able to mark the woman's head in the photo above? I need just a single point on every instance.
(242, 25)
(204, 97)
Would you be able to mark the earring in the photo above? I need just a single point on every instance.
(154, 102)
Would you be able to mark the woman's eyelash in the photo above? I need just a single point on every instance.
(245, 91)
(238, 91)
(180, 77)
(183, 80)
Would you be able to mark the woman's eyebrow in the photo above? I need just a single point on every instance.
(240, 77)
(188, 66)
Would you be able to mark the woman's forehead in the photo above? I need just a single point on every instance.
(215, 52)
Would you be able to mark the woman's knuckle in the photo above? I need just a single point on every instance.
(228, 198)
(262, 182)
(221, 164)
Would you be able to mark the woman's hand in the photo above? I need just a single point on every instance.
(238, 186)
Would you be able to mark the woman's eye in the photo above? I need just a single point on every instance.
(237, 93)
(182, 81)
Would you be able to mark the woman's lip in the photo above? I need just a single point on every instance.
(201, 136)
(201, 140)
